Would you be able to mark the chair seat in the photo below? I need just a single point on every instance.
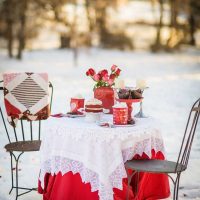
(31, 145)
(155, 166)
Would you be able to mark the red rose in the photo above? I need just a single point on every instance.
(112, 76)
(87, 73)
(118, 72)
(96, 77)
(90, 72)
(111, 82)
(105, 77)
(114, 67)
(104, 72)
(100, 76)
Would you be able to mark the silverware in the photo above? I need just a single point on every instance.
(106, 125)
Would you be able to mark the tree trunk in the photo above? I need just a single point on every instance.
(158, 35)
(192, 29)
(74, 42)
(21, 33)
(174, 37)
(174, 12)
(90, 22)
(101, 20)
(10, 38)
(9, 20)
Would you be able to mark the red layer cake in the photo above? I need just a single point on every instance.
(94, 106)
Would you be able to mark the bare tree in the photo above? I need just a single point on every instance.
(194, 19)
(74, 34)
(90, 10)
(173, 39)
(160, 24)
(158, 44)
(8, 16)
(22, 27)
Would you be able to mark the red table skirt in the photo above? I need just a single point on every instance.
(71, 187)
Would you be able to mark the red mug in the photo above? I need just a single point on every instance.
(120, 116)
(76, 104)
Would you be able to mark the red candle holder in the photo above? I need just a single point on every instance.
(120, 116)
(129, 103)
(76, 104)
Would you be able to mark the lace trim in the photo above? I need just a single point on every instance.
(64, 165)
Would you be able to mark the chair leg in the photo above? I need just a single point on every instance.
(137, 186)
(11, 171)
(129, 181)
(15, 184)
(16, 178)
(176, 187)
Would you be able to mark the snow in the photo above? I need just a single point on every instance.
(174, 84)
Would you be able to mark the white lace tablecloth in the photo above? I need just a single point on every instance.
(98, 154)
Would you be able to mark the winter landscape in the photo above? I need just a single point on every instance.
(174, 84)
(155, 41)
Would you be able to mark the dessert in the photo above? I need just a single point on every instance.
(94, 110)
(129, 93)
(94, 106)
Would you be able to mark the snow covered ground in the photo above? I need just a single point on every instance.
(174, 84)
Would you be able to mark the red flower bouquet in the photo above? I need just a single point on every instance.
(103, 87)
(103, 78)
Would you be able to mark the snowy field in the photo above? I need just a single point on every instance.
(174, 84)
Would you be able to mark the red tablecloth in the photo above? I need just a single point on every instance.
(70, 187)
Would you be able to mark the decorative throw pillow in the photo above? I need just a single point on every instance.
(26, 96)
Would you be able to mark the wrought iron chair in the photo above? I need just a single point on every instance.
(20, 143)
(165, 166)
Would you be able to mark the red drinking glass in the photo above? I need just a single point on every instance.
(120, 116)
(76, 104)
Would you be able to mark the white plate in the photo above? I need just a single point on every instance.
(110, 125)
(125, 125)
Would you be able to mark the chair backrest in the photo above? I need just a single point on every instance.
(189, 133)
(25, 130)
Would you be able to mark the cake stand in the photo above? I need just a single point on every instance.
(129, 103)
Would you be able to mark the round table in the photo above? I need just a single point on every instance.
(81, 160)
